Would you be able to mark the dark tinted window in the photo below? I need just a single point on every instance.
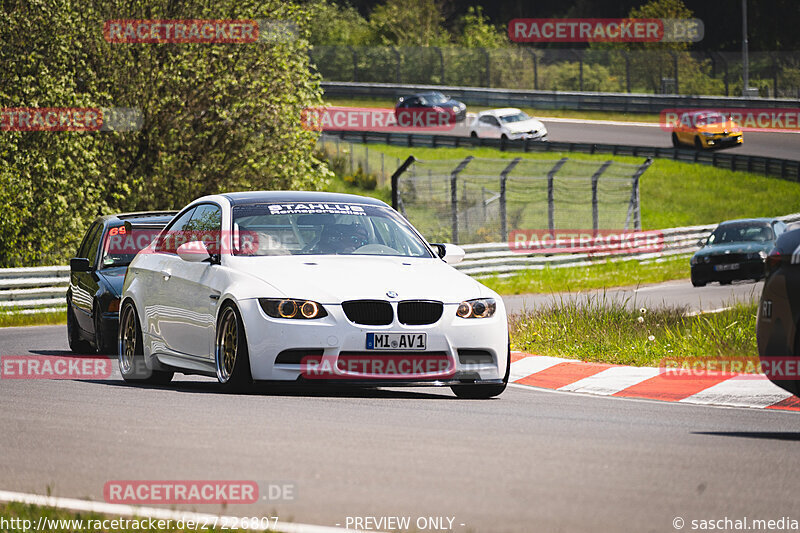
(168, 240)
(93, 245)
(82, 249)
(741, 233)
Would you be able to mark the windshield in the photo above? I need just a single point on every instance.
(516, 117)
(119, 249)
(323, 229)
(434, 98)
(741, 233)
(709, 118)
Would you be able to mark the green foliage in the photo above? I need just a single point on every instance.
(611, 331)
(217, 117)
(333, 23)
(478, 32)
(362, 179)
(409, 23)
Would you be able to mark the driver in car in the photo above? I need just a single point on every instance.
(342, 239)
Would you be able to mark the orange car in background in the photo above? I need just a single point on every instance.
(706, 129)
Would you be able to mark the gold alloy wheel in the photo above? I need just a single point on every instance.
(227, 345)
(127, 341)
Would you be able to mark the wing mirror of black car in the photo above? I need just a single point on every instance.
(701, 243)
(80, 264)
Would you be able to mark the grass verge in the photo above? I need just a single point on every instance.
(609, 332)
(533, 111)
(596, 276)
(11, 319)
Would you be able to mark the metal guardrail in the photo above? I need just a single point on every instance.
(783, 168)
(36, 289)
(33, 289)
(500, 259)
(579, 101)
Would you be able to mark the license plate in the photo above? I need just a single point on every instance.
(396, 341)
(729, 266)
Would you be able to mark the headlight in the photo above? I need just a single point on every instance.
(291, 308)
(480, 308)
(762, 254)
(694, 260)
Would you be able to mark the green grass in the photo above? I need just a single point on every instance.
(32, 513)
(598, 276)
(10, 319)
(609, 332)
(672, 193)
(535, 112)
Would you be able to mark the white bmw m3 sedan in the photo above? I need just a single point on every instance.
(311, 287)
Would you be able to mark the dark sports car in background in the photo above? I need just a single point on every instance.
(97, 273)
(736, 250)
(779, 312)
(406, 106)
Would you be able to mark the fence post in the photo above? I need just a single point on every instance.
(627, 70)
(441, 63)
(454, 196)
(397, 65)
(396, 178)
(633, 206)
(595, 207)
(355, 63)
(551, 194)
(503, 178)
(488, 68)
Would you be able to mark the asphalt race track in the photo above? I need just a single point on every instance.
(532, 460)
(679, 293)
(766, 144)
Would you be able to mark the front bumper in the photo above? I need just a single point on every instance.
(747, 269)
(328, 338)
(722, 140)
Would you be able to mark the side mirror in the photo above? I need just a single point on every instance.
(451, 253)
(701, 243)
(80, 264)
(193, 252)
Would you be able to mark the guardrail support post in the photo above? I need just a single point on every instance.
(396, 178)
(633, 206)
(595, 208)
(551, 194)
(454, 196)
(503, 213)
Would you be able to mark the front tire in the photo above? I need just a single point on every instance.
(230, 351)
(484, 392)
(131, 351)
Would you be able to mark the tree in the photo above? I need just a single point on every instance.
(217, 117)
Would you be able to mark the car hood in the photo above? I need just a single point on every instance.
(114, 277)
(735, 248)
(525, 125)
(334, 279)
